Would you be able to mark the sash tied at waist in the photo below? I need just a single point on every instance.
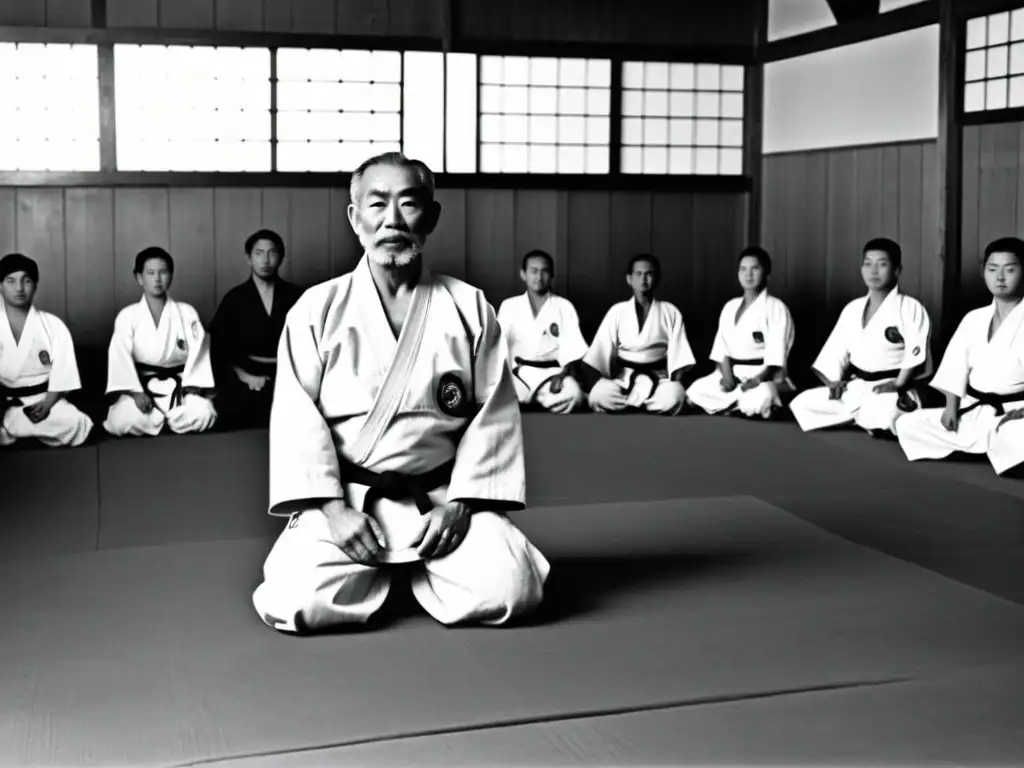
(860, 373)
(396, 486)
(12, 395)
(149, 373)
(992, 399)
(259, 366)
(747, 361)
(653, 371)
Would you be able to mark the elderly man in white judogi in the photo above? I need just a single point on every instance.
(395, 434)
(37, 365)
(981, 375)
(876, 355)
(158, 363)
(544, 340)
(640, 352)
(751, 348)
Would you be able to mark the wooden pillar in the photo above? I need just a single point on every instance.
(952, 31)
(753, 120)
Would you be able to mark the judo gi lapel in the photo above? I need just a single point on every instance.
(402, 353)
(1002, 339)
(16, 352)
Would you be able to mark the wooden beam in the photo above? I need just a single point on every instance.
(753, 121)
(950, 161)
(108, 108)
(853, 10)
(98, 13)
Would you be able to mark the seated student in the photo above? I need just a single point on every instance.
(37, 365)
(640, 353)
(878, 349)
(244, 335)
(755, 336)
(158, 365)
(542, 333)
(981, 375)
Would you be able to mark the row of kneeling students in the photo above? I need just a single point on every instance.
(165, 370)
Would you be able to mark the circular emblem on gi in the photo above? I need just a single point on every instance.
(451, 395)
(892, 334)
(758, 337)
(181, 344)
(554, 330)
(44, 357)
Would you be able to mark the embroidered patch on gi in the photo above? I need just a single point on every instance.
(758, 337)
(181, 345)
(451, 395)
(917, 351)
(554, 330)
(195, 329)
(892, 334)
(44, 357)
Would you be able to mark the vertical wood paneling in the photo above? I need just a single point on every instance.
(89, 233)
(310, 228)
(312, 15)
(447, 246)
(8, 220)
(193, 248)
(931, 253)
(362, 17)
(890, 192)
(276, 215)
(40, 228)
(773, 219)
(345, 248)
(241, 15)
(538, 224)
(997, 208)
(970, 279)
(133, 13)
(596, 276)
(671, 231)
(73, 14)
(415, 18)
(713, 258)
(910, 197)
(490, 243)
(141, 219)
(842, 266)
(277, 15)
(187, 14)
(630, 230)
(237, 214)
(23, 13)
(870, 194)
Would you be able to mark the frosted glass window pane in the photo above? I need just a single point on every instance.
(656, 103)
(1017, 92)
(516, 129)
(656, 75)
(543, 159)
(707, 132)
(732, 78)
(974, 97)
(423, 114)
(490, 158)
(681, 104)
(572, 159)
(974, 65)
(977, 32)
(598, 130)
(599, 101)
(683, 77)
(572, 101)
(655, 131)
(517, 70)
(599, 73)
(386, 97)
(597, 160)
(998, 59)
(998, 28)
(490, 128)
(356, 66)
(358, 126)
(291, 64)
(681, 132)
(1017, 24)
(655, 160)
(543, 130)
(632, 74)
(632, 131)
(516, 100)
(387, 67)
(680, 160)
(354, 97)
(491, 99)
(354, 153)
(731, 133)
(461, 117)
(1017, 59)
(706, 161)
(572, 130)
(633, 103)
(387, 127)
(516, 158)
(544, 101)
(491, 70)
(324, 64)
(707, 105)
(544, 71)
(730, 161)
(997, 94)
(708, 77)
(290, 125)
(572, 72)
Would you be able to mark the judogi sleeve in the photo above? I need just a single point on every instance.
(954, 369)
(303, 459)
(64, 375)
(679, 354)
(719, 349)
(198, 371)
(835, 354)
(779, 339)
(506, 327)
(121, 373)
(571, 346)
(916, 328)
(603, 347)
(489, 463)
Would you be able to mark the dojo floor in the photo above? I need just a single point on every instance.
(724, 593)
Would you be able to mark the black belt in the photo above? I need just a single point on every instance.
(992, 399)
(556, 387)
(863, 375)
(258, 367)
(148, 373)
(748, 361)
(652, 371)
(396, 486)
(12, 395)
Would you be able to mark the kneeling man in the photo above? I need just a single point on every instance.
(395, 435)
(542, 333)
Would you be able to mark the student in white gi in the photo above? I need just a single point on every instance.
(876, 355)
(640, 352)
(158, 363)
(37, 365)
(395, 434)
(542, 333)
(751, 348)
(981, 375)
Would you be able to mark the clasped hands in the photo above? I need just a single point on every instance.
(362, 540)
(251, 380)
(729, 383)
(38, 411)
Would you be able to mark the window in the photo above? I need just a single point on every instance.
(682, 118)
(544, 115)
(440, 110)
(335, 108)
(994, 64)
(49, 113)
(184, 108)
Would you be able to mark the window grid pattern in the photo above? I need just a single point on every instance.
(335, 108)
(994, 62)
(682, 118)
(185, 108)
(49, 110)
(544, 115)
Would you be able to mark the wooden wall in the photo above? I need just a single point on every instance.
(820, 207)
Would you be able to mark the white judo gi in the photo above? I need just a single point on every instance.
(439, 399)
(762, 336)
(540, 346)
(162, 359)
(42, 361)
(640, 359)
(974, 368)
(898, 336)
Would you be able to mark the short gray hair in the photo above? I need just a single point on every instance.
(424, 175)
